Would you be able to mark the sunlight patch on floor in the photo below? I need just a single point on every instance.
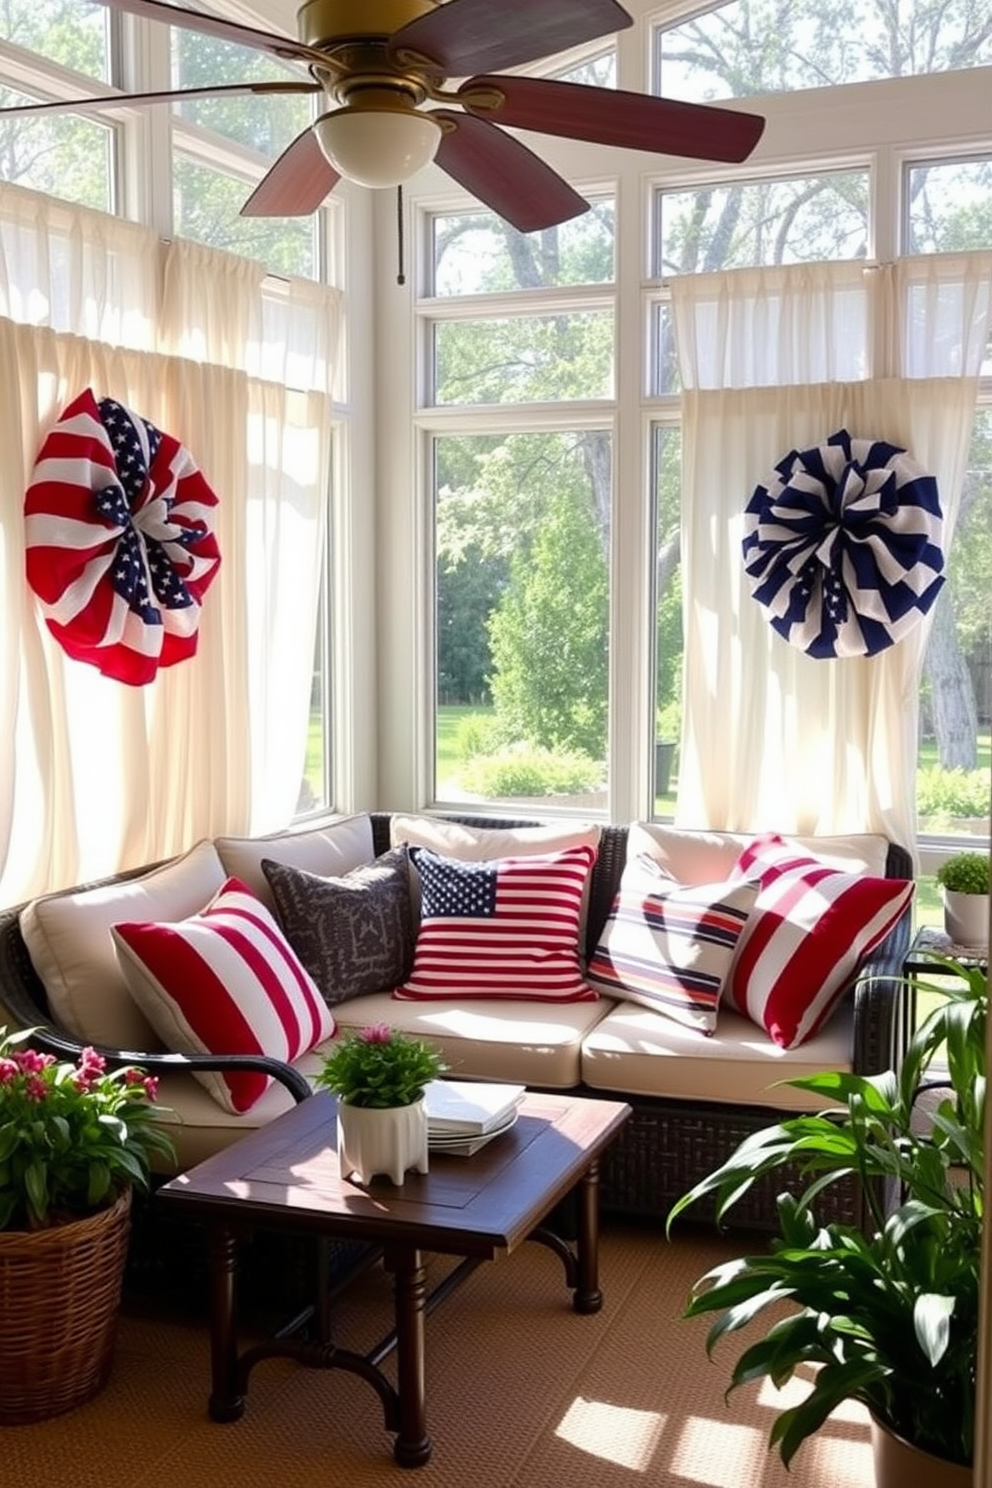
(836, 1460)
(616, 1433)
(718, 1454)
(794, 1391)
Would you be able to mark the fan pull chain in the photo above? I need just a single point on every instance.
(400, 275)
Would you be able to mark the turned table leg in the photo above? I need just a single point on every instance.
(588, 1297)
(227, 1401)
(412, 1446)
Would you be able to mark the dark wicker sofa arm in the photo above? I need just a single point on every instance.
(881, 999)
(881, 1004)
(23, 1005)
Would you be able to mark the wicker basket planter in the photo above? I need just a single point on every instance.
(59, 1298)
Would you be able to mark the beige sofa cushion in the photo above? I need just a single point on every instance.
(530, 1043)
(333, 848)
(700, 857)
(477, 844)
(71, 948)
(199, 1126)
(640, 1052)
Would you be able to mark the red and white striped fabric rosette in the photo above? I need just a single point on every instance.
(119, 531)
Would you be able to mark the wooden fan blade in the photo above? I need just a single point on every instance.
(504, 174)
(176, 95)
(608, 116)
(211, 25)
(296, 184)
(466, 36)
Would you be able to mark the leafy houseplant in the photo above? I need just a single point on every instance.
(964, 878)
(891, 1316)
(74, 1142)
(379, 1067)
(379, 1076)
(72, 1136)
(965, 873)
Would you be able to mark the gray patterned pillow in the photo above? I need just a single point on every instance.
(354, 934)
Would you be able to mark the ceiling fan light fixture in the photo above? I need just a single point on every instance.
(378, 146)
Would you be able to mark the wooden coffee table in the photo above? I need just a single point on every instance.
(285, 1175)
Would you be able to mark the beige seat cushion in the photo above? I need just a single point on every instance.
(71, 948)
(199, 1126)
(333, 848)
(531, 1043)
(639, 1052)
(700, 857)
(526, 1043)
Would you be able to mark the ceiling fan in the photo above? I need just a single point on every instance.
(380, 61)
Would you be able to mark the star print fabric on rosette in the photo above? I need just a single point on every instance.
(842, 546)
(120, 545)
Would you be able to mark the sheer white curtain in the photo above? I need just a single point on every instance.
(778, 359)
(95, 775)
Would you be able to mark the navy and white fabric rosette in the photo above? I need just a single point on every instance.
(842, 546)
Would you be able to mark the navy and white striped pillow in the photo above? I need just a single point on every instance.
(669, 946)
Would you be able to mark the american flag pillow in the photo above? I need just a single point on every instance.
(224, 981)
(669, 946)
(812, 927)
(508, 927)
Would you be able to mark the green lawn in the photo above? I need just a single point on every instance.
(927, 752)
(449, 719)
(448, 722)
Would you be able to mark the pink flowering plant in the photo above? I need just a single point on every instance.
(72, 1136)
(381, 1067)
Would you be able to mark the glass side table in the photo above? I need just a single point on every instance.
(930, 941)
(928, 945)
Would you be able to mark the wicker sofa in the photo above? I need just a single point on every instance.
(687, 1112)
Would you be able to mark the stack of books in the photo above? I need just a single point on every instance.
(463, 1115)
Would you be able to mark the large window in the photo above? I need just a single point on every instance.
(218, 148)
(522, 515)
(515, 359)
(772, 221)
(760, 46)
(67, 156)
(207, 200)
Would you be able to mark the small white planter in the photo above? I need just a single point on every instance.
(386, 1142)
(966, 918)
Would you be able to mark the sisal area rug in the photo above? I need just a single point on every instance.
(522, 1393)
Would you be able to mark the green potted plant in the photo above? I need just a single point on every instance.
(964, 878)
(890, 1315)
(379, 1075)
(74, 1141)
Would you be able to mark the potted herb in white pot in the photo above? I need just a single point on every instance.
(964, 878)
(889, 1316)
(379, 1075)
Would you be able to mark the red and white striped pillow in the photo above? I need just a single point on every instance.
(811, 928)
(507, 927)
(224, 981)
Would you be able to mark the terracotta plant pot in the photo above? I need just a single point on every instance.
(898, 1464)
(386, 1142)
